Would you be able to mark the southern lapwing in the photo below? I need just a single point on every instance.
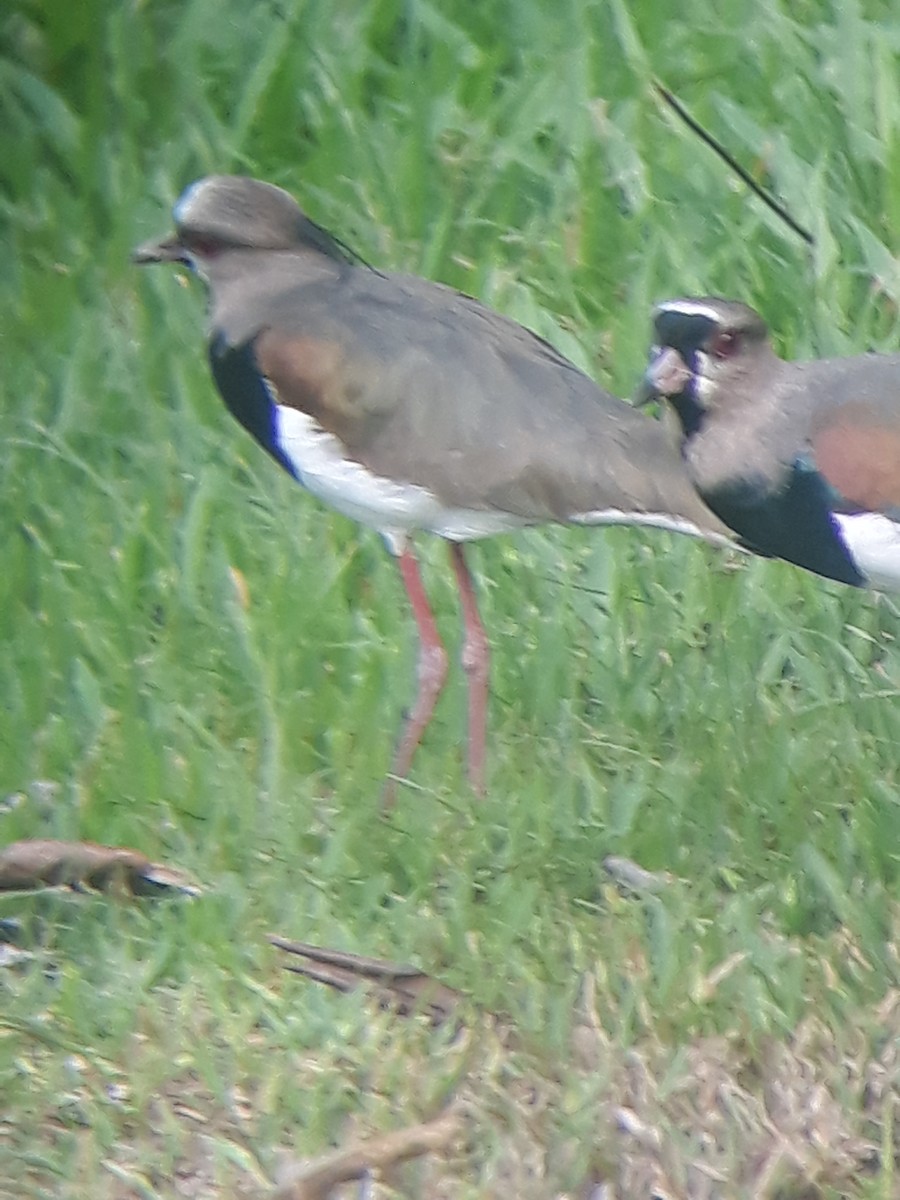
(800, 459)
(409, 406)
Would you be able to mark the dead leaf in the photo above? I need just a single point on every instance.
(37, 863)
(401, 988)
(314, 1180)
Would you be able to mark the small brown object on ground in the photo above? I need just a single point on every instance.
(397, 986)
(37, 863)
(314, 1180)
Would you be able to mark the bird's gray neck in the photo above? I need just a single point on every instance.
(751, 432)
(245, 284)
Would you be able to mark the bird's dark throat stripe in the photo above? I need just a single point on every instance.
(248, 399)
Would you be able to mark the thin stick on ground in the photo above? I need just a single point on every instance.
(314, 1180)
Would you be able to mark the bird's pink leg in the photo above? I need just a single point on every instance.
(476, 661)
(431, 672)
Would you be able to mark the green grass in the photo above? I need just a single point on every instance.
(210, 667)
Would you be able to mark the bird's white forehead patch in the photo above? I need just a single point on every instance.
(689, 308)
(185, 202)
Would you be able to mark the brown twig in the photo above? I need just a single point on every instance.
(396, 986)
(314, 1180)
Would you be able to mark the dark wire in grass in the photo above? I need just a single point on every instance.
(678, 108)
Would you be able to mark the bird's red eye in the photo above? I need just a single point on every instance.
(196, 243)
(724, 345)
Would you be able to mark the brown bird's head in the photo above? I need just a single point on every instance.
(224, 213)
(702, 348)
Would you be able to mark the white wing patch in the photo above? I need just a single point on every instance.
(874, 544)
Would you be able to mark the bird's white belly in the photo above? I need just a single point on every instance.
(392, 507)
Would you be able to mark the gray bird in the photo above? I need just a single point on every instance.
(800, 459)
(409, 406)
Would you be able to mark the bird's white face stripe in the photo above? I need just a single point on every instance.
(704, 368)
(704, 378)
(689, 308)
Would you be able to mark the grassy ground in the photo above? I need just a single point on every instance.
(199, 661)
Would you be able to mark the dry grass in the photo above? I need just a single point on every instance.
(808, 1116)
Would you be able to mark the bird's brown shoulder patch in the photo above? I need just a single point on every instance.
(861, 458)
(303, 370)
(317, 376)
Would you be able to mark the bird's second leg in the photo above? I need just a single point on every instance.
(431, 672)
(476, 661)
